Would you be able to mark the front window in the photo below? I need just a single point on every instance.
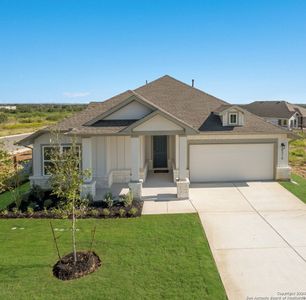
(233, 118)
(47, 155)
(285, 123)
(280, 122)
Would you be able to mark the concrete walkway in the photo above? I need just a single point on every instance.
(159, 195)
(257, 234)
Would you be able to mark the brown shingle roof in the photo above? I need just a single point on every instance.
(270, 109)
(181, 101)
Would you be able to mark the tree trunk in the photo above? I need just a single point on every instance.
(73, 234)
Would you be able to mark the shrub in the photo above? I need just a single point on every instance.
(48, 203)
(15, 210)
(4, 212)
(30, 210)
(89, 199)
(37, 193)
(108, 199)
(32, 205)
(106, 212)
(122, 212)
(60, 213)
(128, 199)
(133, 211)
(95, 212)
(3, 118)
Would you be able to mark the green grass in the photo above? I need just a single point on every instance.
(298, 189)
(152, 257)
(297, 150)
(6, 197)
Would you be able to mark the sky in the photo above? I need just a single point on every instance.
(80, 51)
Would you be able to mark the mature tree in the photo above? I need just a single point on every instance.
(67, 178)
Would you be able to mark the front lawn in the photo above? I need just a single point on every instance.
(298, 189)
(297, 154)
(152, 257)
(6, 198)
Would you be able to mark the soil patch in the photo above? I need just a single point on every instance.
(87, 262)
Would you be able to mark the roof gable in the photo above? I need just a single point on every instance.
(158, 121)
(125, 110)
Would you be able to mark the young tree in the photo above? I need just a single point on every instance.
(67, 178)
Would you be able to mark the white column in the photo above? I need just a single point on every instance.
(177, 151)
(182, 157)
(135, 184)
(87, 156)
(135, 158)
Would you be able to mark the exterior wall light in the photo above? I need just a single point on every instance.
(283, 146)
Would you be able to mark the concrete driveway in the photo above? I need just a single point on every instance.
(257, 233)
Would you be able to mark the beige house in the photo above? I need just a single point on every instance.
(167, 126)
(279, 113)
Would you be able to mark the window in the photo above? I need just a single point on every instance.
(46, 157)
(233, 119)
(285, 123)
(279, 122)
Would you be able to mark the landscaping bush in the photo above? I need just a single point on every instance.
(108, 199)
(106, 212)
(133, 211)
(39, 203)
(122, 212)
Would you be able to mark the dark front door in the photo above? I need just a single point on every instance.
(160, 151)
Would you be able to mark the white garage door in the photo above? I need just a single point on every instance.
(231, 162)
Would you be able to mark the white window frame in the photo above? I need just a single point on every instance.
(43, 160)
(229, 118)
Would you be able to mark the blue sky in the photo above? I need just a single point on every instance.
(81, 51)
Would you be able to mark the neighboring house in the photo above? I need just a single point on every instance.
(167, 125)
(280, 113)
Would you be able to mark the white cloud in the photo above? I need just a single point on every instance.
(75, 94)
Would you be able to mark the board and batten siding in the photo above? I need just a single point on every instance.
(119, 151)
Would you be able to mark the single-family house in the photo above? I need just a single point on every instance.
(280, 113)
(167, 126)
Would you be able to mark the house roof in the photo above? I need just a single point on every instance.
(274, 109)
(180, 101)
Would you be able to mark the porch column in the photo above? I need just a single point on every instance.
(182, 157)
(135, 184)
(87, 156)
(183, 182)
(177, 152)
(135, 158)
(89, 186)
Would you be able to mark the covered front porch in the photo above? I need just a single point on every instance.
(151, 166)
(157, 187)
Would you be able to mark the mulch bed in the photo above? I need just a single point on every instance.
(87, 262)
(93, 212)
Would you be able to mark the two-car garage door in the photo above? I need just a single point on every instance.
(231, 162)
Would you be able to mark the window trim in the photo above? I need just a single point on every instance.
(43, 160)
(229, 118)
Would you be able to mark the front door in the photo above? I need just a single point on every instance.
(160, 151)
